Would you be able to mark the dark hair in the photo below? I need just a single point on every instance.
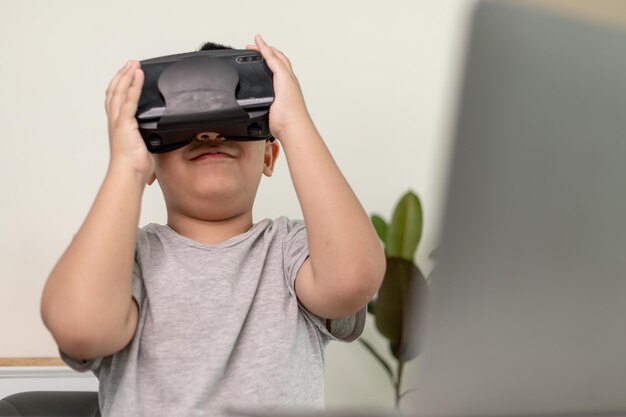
(212, 46)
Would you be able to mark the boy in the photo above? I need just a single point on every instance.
(212, 311)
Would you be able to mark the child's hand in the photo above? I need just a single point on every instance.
(128, 149)
(288, 110)
(346, 262)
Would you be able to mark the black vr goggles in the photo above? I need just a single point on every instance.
(225, 91)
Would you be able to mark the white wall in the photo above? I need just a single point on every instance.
(379, 78)
(16, 379)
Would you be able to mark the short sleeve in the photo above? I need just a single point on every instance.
(138, 288)
(295, 252)
(79, 364)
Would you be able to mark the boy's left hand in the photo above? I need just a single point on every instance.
(346, 262)
(288, 110)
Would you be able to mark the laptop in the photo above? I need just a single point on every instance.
(528, 301)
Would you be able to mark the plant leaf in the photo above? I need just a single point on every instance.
(395, 350)
(381, 228)
(407, 391)
(371, 307)
(380, 359)
(400, 307)
(405, 230)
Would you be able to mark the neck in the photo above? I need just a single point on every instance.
(209, 230)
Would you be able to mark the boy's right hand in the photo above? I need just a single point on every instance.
(128, 150)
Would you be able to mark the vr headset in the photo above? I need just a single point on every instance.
(224, 91)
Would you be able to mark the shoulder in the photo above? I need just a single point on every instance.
(278, 227)
(284, 225)
(149, 229)
(149, 232)
(153, 239)
(283, 229)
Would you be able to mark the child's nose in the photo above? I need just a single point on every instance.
(209, 137)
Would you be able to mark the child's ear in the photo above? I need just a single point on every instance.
(271, 153)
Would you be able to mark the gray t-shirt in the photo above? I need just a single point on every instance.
(219, 327)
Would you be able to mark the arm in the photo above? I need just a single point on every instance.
(346, 261)
(87, 300)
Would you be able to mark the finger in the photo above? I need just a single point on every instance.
(121, 90)
(251, 47)
(259, 41)
(261, 45)
(273, 51)
(112, 85)
(284, 59)
(129, 107)
(269, 54)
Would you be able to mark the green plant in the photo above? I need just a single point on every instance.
(399, 304)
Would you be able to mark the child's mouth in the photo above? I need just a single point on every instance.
(211, 155)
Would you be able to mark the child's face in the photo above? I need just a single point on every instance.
(212, 178)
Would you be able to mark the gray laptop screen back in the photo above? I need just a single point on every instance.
(528, 306)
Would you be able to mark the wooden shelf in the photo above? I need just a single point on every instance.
(31, 361)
